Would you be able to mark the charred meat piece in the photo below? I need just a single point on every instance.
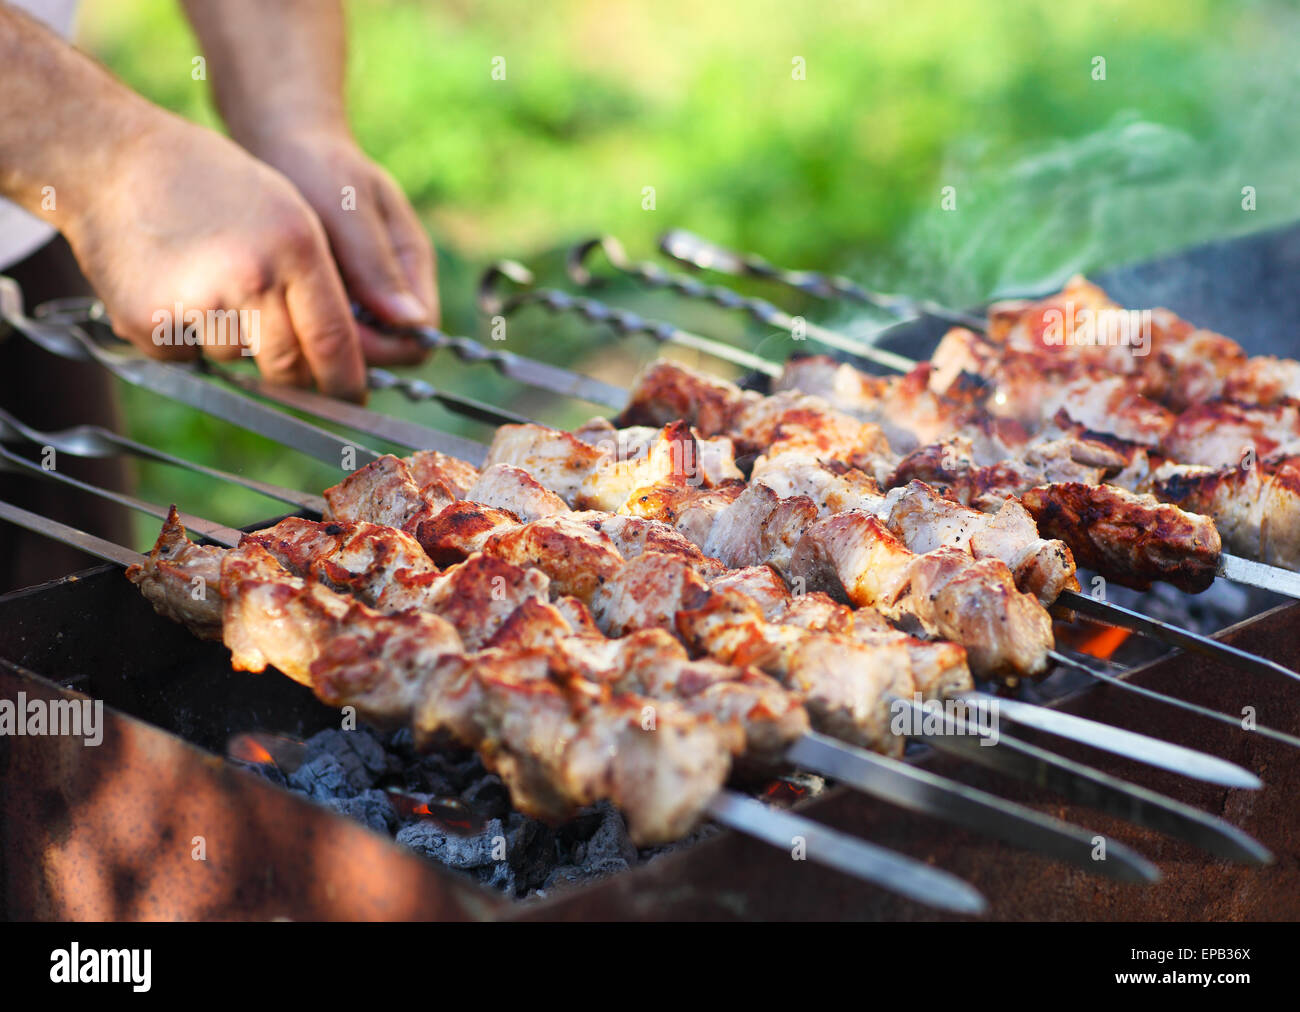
(1129, 538)
(926, 521)
(383, 492)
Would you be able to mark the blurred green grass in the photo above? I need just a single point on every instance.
(1053, 170)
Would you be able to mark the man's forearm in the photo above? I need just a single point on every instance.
(273, 66)
(64, 120)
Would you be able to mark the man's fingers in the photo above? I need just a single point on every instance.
(414, 251)
(275, 345)
(323, 324)
(370, 265)
(388, 349)
(170, 345)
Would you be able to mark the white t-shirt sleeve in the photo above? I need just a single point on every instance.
(21, 233)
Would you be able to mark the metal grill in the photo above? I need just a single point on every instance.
(1162, 696)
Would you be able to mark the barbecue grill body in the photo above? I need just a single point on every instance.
(111, 832)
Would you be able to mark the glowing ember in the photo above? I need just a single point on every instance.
(784, 791)
(260, 748)
(451, 814)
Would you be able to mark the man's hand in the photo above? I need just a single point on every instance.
(385, 256)
(277, 73)
(163, 214)
(189, 221)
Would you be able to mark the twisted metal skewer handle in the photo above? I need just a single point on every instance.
(494, 302)
(696, 251)
(758, 309)
(656, 277)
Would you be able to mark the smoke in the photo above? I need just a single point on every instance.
(1026, 219)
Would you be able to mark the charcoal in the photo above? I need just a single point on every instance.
(371, 808)
(488, 796)
(608, 849)
(323, 778)
(358, 752)
(348, 770)
(429, 838)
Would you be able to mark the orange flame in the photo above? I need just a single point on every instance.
(248, 749)
(1104, 642)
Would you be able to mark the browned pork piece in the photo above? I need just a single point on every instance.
(944, 593)
(182, 580)
(600, 466)
(1179, 365)
(666, 391)
(925, 521)
(1256, 509)
(1131, 538)
(561, 744)
(1223, 434)
(652, 662)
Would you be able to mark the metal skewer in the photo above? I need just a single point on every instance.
(96, 441)
(695, 251)
(759, 309)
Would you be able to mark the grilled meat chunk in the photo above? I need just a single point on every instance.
(182, 580)
(633, 536)
(452, 473)
(666, 392)
(460, 529)
(846, 685)
(383, 492)
(926, 521)
(653, 663)
(1256, 509)
(944, 593)
(576, 557)
(272, 618)
(507, 487)
(645, 593)
(556, 459)
(1129, 538)
(379, 565)
(1222, 434)
(560, 744)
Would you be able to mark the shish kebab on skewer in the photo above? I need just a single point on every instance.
(378, 562)
(894, 783)
(573, 749)
(1246, 488)
(1229, 453)
(72, 342)
(171, 382)
(167, 384)
(947, 594)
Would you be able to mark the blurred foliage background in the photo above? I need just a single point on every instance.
(1053, 169)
